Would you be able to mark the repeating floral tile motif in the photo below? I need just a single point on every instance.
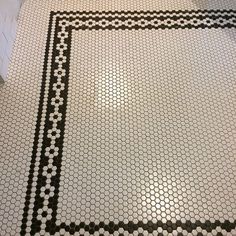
(131, 126)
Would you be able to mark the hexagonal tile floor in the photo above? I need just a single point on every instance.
(118, 118)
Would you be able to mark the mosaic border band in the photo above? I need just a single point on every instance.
(41, 199)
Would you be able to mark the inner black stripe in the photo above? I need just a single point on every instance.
(154, 17)
(150, 226)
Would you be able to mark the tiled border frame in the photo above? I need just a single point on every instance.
(41, 200)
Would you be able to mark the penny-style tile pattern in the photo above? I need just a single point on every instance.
(120, 120)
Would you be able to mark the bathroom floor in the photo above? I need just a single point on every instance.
(118, 118)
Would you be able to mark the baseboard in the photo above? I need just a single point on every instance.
(1, 80)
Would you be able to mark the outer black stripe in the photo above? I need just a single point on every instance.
(37, 129)
(41, 181)
(218, 11)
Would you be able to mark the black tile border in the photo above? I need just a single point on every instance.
(60, 29)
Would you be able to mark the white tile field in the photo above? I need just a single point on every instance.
(118, 118)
